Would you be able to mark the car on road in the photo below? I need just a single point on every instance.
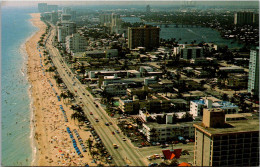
(83, 93)
(124, 139)
(91, 113)
(163, 146)
(96, 119)
(115, 145)
(106, 124)
(117, 131)
(113, 133)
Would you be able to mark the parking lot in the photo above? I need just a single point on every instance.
(150, 151)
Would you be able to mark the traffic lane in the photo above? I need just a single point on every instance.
(109, 129)
(96, 109)
(97, 114)
(132, 155)
(99, 131)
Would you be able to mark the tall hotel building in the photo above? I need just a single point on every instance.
(65, 28)
(42, 7)
(253, 77)
(220, 143)
(146, 36)
(241, 18)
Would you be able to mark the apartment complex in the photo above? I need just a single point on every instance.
(113, 21)
(105, 19)
(65, 28)
(155, 132)
(68, 14)
(220, 143)
(242, 18)
(54, 17)
(146, 36)
(151, 104)
(197, 106)
(253, 78)
(148, 9)
(42, 7)
(75, 43)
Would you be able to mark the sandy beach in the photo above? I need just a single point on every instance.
(53, 143)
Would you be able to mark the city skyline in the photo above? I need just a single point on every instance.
(136, 3)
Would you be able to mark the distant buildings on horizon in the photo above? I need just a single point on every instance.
(242, 18)
(44, 7)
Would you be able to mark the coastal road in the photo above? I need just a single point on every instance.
(126, 154)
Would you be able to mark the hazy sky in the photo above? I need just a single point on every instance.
(131, 2)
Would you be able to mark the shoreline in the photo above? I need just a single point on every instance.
(34, 147)
(51, 143)
(24, 71)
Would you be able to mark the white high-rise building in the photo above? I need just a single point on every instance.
(253, 77)
(66, 10)
(65, 29)
(76, 43)
(42, 7)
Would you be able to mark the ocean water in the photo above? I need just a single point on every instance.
(15, 96)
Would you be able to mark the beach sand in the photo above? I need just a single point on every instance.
(53, 144)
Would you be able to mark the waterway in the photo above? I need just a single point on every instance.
(189, 33)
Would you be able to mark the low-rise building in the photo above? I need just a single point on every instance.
(237, 81)
(95, 54)
(232, 69)
(120, 73)
(151, 104)
(197, 106)
(115, 89)
(155, 132)
(188, 51)
(146, 69)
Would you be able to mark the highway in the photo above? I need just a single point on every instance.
(126, 153)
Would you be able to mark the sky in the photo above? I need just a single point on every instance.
(131, 2)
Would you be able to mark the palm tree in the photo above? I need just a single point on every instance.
(63, 96)
(75, 115)
(89, 143)
(174, 162)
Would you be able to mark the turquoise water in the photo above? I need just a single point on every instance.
(16, 112)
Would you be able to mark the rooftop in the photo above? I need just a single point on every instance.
(251, 124)
(156, 125)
